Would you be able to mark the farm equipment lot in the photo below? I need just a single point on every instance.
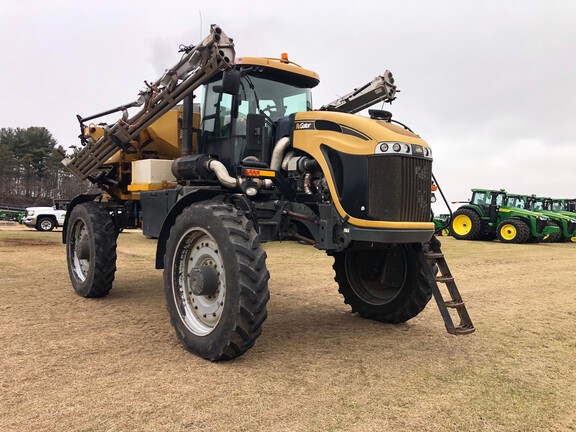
(70, 363)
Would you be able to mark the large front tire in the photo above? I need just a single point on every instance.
(554, 237)
(215, 280)
(386, 285)
(513, 231)
(91, 250)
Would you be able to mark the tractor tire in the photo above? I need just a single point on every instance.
(215, 280)
(557, 237)
(466, 224)
(386, 285)
(45, 224)
(91, 250)
(513, 231)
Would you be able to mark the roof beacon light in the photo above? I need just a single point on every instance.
(284, 57)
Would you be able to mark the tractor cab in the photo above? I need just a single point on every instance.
(559, 205)
(518, 201)
(541, 204)
(489, 201)
(245, 111)
(564, 205)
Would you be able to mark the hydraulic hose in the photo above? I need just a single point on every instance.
(447, 224)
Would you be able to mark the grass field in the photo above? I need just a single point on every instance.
(114, 364)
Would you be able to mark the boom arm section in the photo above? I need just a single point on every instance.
(381, 88)
(197, 65)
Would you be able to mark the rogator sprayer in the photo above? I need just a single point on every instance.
(253, 163)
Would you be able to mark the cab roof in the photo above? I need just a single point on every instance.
(283, 69)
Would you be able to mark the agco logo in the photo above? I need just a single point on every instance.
(304, 125)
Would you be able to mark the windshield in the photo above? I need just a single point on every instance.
(484, 198)
(481, 198)
(272, 98)
(257, 95)
(518, 202)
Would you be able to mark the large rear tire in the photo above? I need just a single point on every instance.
(513, 231)
(466, 224)
(386, 285)
(215, 280)
(91, 250)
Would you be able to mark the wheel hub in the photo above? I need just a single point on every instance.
(83, 250)
(462, 225)
(204, 281)
(201, 281)
(508, 232)
(46, 225)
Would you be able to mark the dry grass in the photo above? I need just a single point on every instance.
(68, 363)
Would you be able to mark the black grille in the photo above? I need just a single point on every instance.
(540, 225)
(399, 188)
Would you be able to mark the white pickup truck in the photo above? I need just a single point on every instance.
(44, 218)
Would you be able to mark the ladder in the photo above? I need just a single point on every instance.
(433, 255)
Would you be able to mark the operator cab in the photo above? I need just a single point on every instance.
(489, 201)
(517, 201)
(485, 198)
(249, 118)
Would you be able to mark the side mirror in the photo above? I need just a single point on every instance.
(231, 82)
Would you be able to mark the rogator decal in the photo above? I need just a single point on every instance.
(303, 125)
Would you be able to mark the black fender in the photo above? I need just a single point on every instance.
(79, 199)
(187, 200)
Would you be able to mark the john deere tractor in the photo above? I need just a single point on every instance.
(252, 162)
(566, 221)
(564, 205)
(488, 215)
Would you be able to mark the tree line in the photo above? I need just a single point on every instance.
(31, 173)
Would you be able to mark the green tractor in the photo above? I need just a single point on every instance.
(565, 220)
(442, 224)
(488, 216)
(564, 205)
(12, 215)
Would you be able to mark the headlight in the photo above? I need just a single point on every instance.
(543, 218)
(394, 147)
(30, 213)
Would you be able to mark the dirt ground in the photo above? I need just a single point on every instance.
(114, 364)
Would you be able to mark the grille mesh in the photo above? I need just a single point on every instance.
(399, 188)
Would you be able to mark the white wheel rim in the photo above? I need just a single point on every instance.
(80, 266)
(200, 313)
(45, 225)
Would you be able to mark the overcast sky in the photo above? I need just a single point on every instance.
(490, 85)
